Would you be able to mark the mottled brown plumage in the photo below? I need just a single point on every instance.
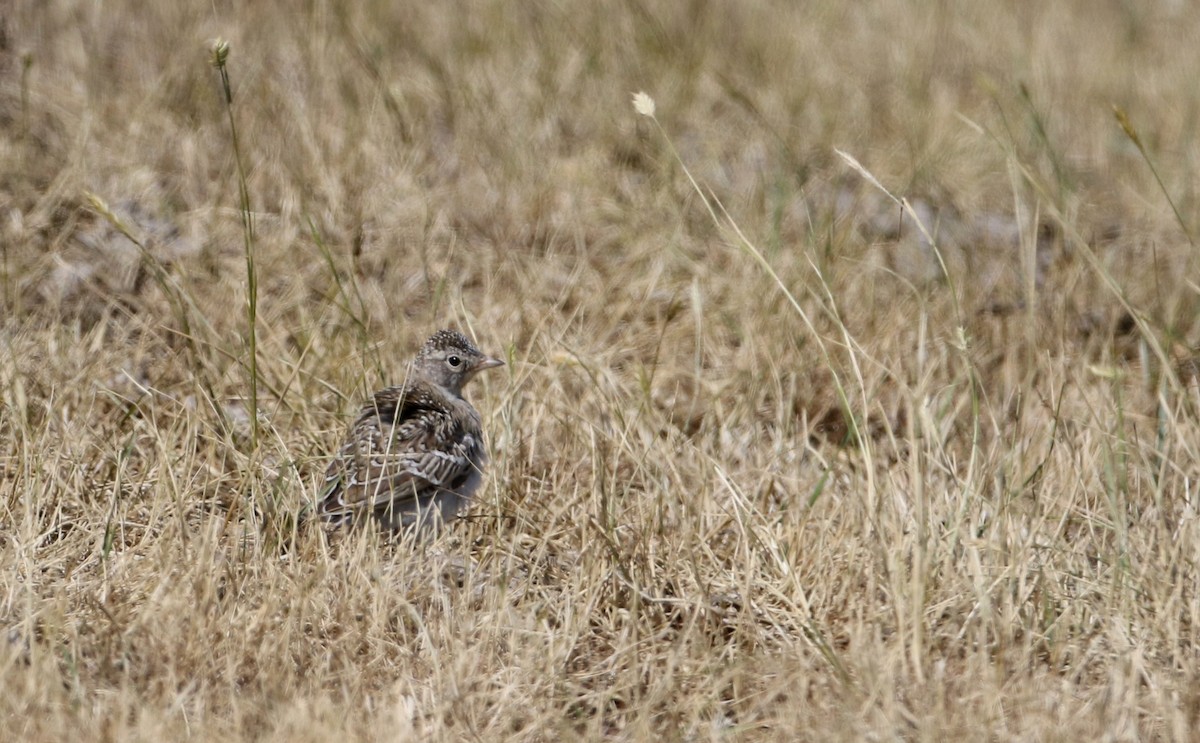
(415, 454)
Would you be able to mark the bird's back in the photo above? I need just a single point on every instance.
(414, 455)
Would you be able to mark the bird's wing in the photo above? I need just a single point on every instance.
(405, 443)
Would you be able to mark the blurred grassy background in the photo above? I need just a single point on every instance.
(947, 493)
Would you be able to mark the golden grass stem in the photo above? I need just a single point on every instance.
(1132, 133)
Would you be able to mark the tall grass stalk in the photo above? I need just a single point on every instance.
(1127, 127)
(1081, 244)
(220, 55)
(645, 106)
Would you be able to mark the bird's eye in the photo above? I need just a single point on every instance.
(453, 361)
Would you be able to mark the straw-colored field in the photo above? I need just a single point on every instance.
(791, 445)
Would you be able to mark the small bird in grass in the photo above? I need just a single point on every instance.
(415, 455)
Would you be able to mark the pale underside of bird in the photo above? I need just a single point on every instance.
(415, 455)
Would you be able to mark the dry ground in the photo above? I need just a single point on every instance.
(781, 470)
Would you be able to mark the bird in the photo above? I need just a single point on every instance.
(414, 456)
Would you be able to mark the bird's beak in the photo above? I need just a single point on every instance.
(487, 362)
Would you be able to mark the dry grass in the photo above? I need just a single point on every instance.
(946, 494)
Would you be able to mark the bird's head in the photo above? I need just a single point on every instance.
(449, 360)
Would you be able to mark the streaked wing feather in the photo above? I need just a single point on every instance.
(392, 454)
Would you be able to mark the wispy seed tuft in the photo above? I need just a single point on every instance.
(643, 104)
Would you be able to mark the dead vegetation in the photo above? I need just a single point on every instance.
(776, 457)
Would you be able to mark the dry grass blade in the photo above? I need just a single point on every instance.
(791, 444)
